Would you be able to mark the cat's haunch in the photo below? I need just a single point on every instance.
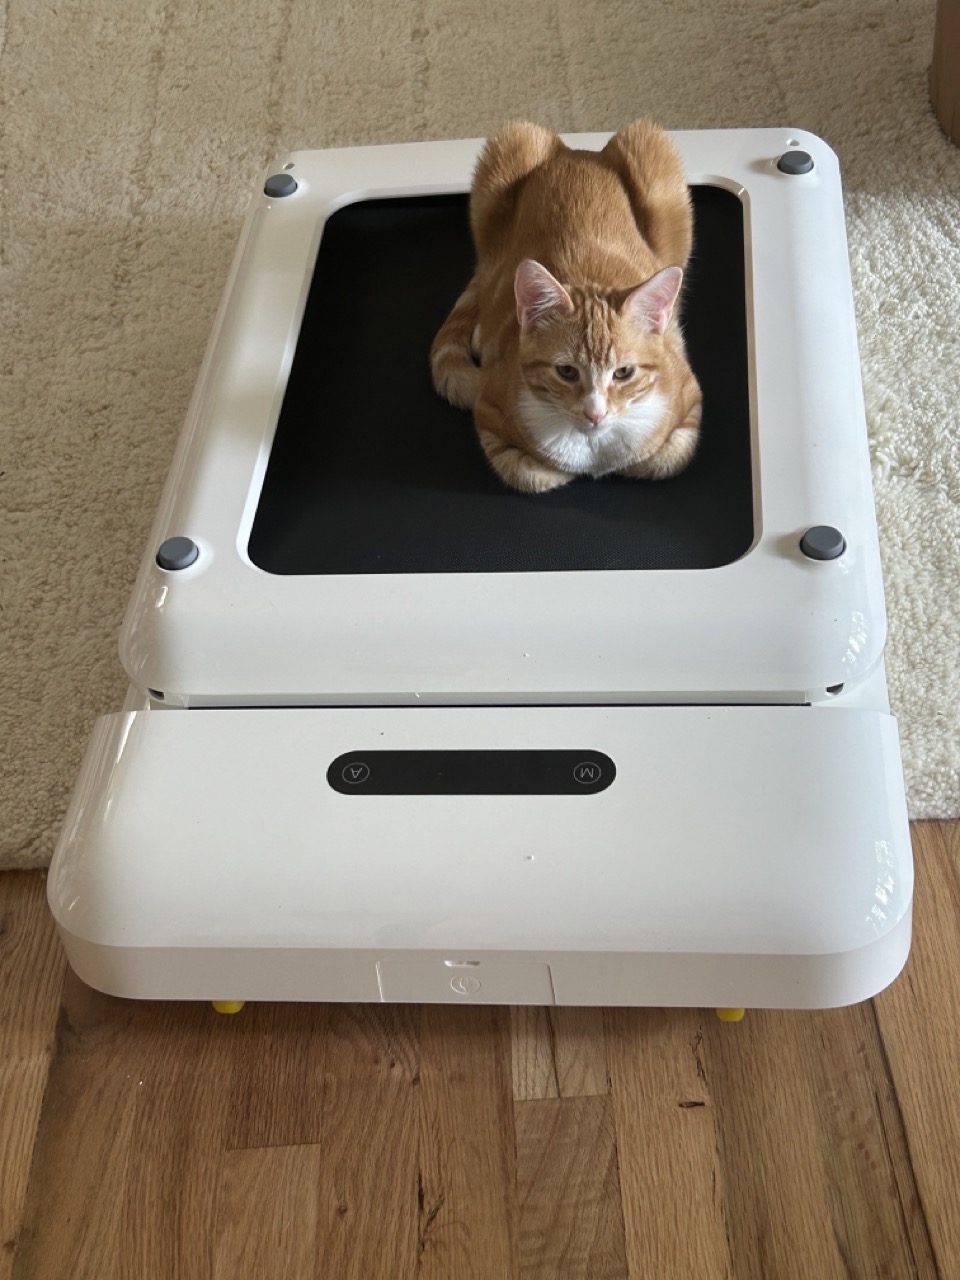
(565, 343)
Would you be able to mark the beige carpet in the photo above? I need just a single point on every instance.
(132, 137)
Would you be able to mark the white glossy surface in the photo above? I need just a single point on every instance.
(742, 855)
(773, 627)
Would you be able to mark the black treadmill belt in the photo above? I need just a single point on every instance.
(371, 472)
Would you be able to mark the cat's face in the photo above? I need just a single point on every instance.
(591, 361)
(592, 366)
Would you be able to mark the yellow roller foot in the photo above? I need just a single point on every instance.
(731, 1015)
(228, 1006)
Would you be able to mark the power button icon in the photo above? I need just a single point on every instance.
(587, 772)
(465, 984)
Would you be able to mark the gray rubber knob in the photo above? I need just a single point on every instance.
(177, 553)
(823, 542)
(281, 184)
(794, 162)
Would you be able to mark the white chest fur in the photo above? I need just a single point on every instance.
(611, 447)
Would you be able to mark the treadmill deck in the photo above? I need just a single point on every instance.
(372, 472)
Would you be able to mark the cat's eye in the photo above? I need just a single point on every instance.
(568, 372)
(624, 373)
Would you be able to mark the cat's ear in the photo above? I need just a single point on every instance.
(538, 294)
(652, 304)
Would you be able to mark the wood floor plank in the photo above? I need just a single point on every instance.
(278, 1076)
(128, 1153)
(468, 1181)
(75, 1194)
(267, 1218)
(670, 1176)
(816, 1177)
(568, 1187)
(31, 978)
(581, 1052)
(919, 1021)
(367, 1204)
(558, 1052)
(178, 1138)
(876, 1210)
(532, 1053)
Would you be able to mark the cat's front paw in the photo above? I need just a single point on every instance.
(519, 470)
(457, 382)
(674, 456)
(539, 479)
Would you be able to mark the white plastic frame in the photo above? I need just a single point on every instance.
(771, 627)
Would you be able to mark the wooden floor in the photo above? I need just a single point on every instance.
(146, 1141)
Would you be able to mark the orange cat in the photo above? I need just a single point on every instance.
(565, 343)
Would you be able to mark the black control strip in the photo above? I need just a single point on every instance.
(471, 773)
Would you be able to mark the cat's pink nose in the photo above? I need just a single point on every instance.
(596, 416)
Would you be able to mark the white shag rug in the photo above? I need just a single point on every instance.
(131, 138)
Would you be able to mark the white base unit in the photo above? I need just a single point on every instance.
(714, 855)
(398, 734)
